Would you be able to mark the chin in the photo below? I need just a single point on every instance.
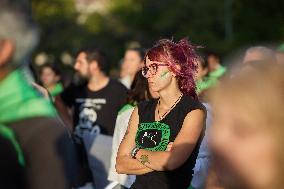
(153, 88)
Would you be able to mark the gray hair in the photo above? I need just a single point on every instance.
(17, 27)
(265, 54)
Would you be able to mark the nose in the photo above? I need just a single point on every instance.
(76, 66)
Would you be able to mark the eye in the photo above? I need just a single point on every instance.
(154, 67)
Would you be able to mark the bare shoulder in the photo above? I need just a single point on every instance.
(196, 114)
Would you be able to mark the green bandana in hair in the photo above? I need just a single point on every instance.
(19, 100)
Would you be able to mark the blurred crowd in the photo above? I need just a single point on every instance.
(57, 134)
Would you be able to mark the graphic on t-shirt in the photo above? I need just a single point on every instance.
(149, 135)
(153, 136)
(87, 116)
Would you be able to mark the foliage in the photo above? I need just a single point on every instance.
(146, 21)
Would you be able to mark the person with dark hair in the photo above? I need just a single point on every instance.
(132, 62)
(203, 81)
(138, 93)
(95, 104)
(101, 95)
(177, 116)
(32, 139)
(50, 79)
(216, 69)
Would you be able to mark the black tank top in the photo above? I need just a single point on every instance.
(155, 136)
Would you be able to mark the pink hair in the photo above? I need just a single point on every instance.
(181, 59)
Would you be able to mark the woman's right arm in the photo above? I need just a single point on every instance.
(124, 162)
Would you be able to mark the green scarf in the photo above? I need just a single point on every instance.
(219, 72)
(19, 100)
(205, 83)
(58, 88)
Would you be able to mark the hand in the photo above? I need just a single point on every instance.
(41, 89)
(169, 147)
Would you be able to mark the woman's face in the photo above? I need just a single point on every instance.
(245, 150)
(158, 75)
(200, 72)
(132, 62)
(48, 77)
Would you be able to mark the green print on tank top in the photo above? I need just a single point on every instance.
(156, 132)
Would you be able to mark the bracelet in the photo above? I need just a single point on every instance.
(134, 152)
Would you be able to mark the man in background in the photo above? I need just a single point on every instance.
(94, 106)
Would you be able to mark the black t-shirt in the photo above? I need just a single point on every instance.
(155, 136)
(95, 108)
(50, 157)
(11, 172)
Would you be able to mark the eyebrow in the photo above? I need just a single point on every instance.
(158, 62)
(155, 62)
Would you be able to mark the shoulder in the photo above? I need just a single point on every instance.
(125, 108)
(189, 104)
(146, 104)
(73, 87)
(71, 90)
(113, 83)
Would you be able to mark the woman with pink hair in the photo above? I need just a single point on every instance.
(163, 137)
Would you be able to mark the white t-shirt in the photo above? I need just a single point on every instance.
(119, 131)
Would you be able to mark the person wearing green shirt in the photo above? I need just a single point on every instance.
(205, 79)
(29, 125)
(50, 79)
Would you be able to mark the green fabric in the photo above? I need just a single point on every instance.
(125, 107)
(9, 134)
(204, 84)
(19, 100)
(281, 48)
(211, 80)
(190, 187)
(218, 73)
(56, 90)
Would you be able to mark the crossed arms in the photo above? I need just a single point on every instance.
(176, 154)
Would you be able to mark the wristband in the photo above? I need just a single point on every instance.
(134, 152)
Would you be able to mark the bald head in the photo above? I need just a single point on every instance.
(259, 54)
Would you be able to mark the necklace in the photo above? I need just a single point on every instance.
(161, 117)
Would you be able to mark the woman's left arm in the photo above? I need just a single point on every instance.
(182, 148)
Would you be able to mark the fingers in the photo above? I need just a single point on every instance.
(169, 147)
